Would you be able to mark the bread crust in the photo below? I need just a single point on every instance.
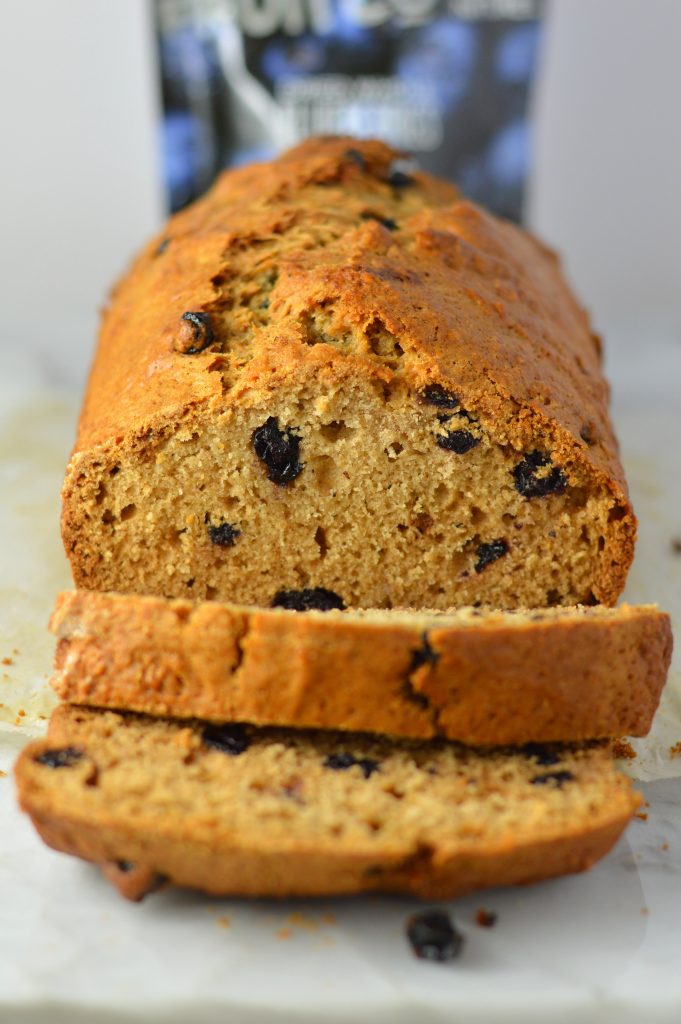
(478, 305)
(118, 822)
(286, 873)
(479, 678)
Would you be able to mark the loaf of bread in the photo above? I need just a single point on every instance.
(332, 373)
(235, 810)
(478, 677)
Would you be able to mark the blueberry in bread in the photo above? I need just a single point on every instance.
(296, 813)
(322, 376)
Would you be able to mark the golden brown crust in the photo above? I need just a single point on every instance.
(262, 873)
(478, 306)
(152, 804)
(480, 678)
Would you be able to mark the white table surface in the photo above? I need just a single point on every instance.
(601, 947)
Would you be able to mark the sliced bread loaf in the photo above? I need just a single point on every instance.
(477, 677)
(324, 374)
(236, 810)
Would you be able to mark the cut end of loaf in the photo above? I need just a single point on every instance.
(392, 502)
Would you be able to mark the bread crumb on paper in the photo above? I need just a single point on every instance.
(624, 749)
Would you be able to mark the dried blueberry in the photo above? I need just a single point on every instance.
(542, 755)
(387, 222)
(530, 484)
(435, 394)
(156, 882)
(356, 157)
(125, 865)
(62, 757)
(458, 441)
(425, 655)
(162, 246)
(341, 762)
(398, 179)
(490, 552)
(224, 535)
(230, 738)
(433, 936)
(588, 433)
(279, 450)
(317, 599)
(552, 779)
(197, 333)
(398, 176)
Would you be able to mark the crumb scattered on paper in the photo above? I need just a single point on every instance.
(675, 750)
(622, 748)
(485, 918)
(298, 920)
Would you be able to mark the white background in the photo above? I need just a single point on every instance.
(80, 181)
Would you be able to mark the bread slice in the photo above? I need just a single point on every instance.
(478, 677)
(324, 374)
(241, 811)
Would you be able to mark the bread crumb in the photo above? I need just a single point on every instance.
(298, 920)
(7, 661)
(644, 911)
(21, 713)
(676, 545)
(485, 918)
(622, 748)
(224, 922)
(675, 750)
(3, 775)
(328, 918)
(641, 815)
(664, 847)
(283, 933)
